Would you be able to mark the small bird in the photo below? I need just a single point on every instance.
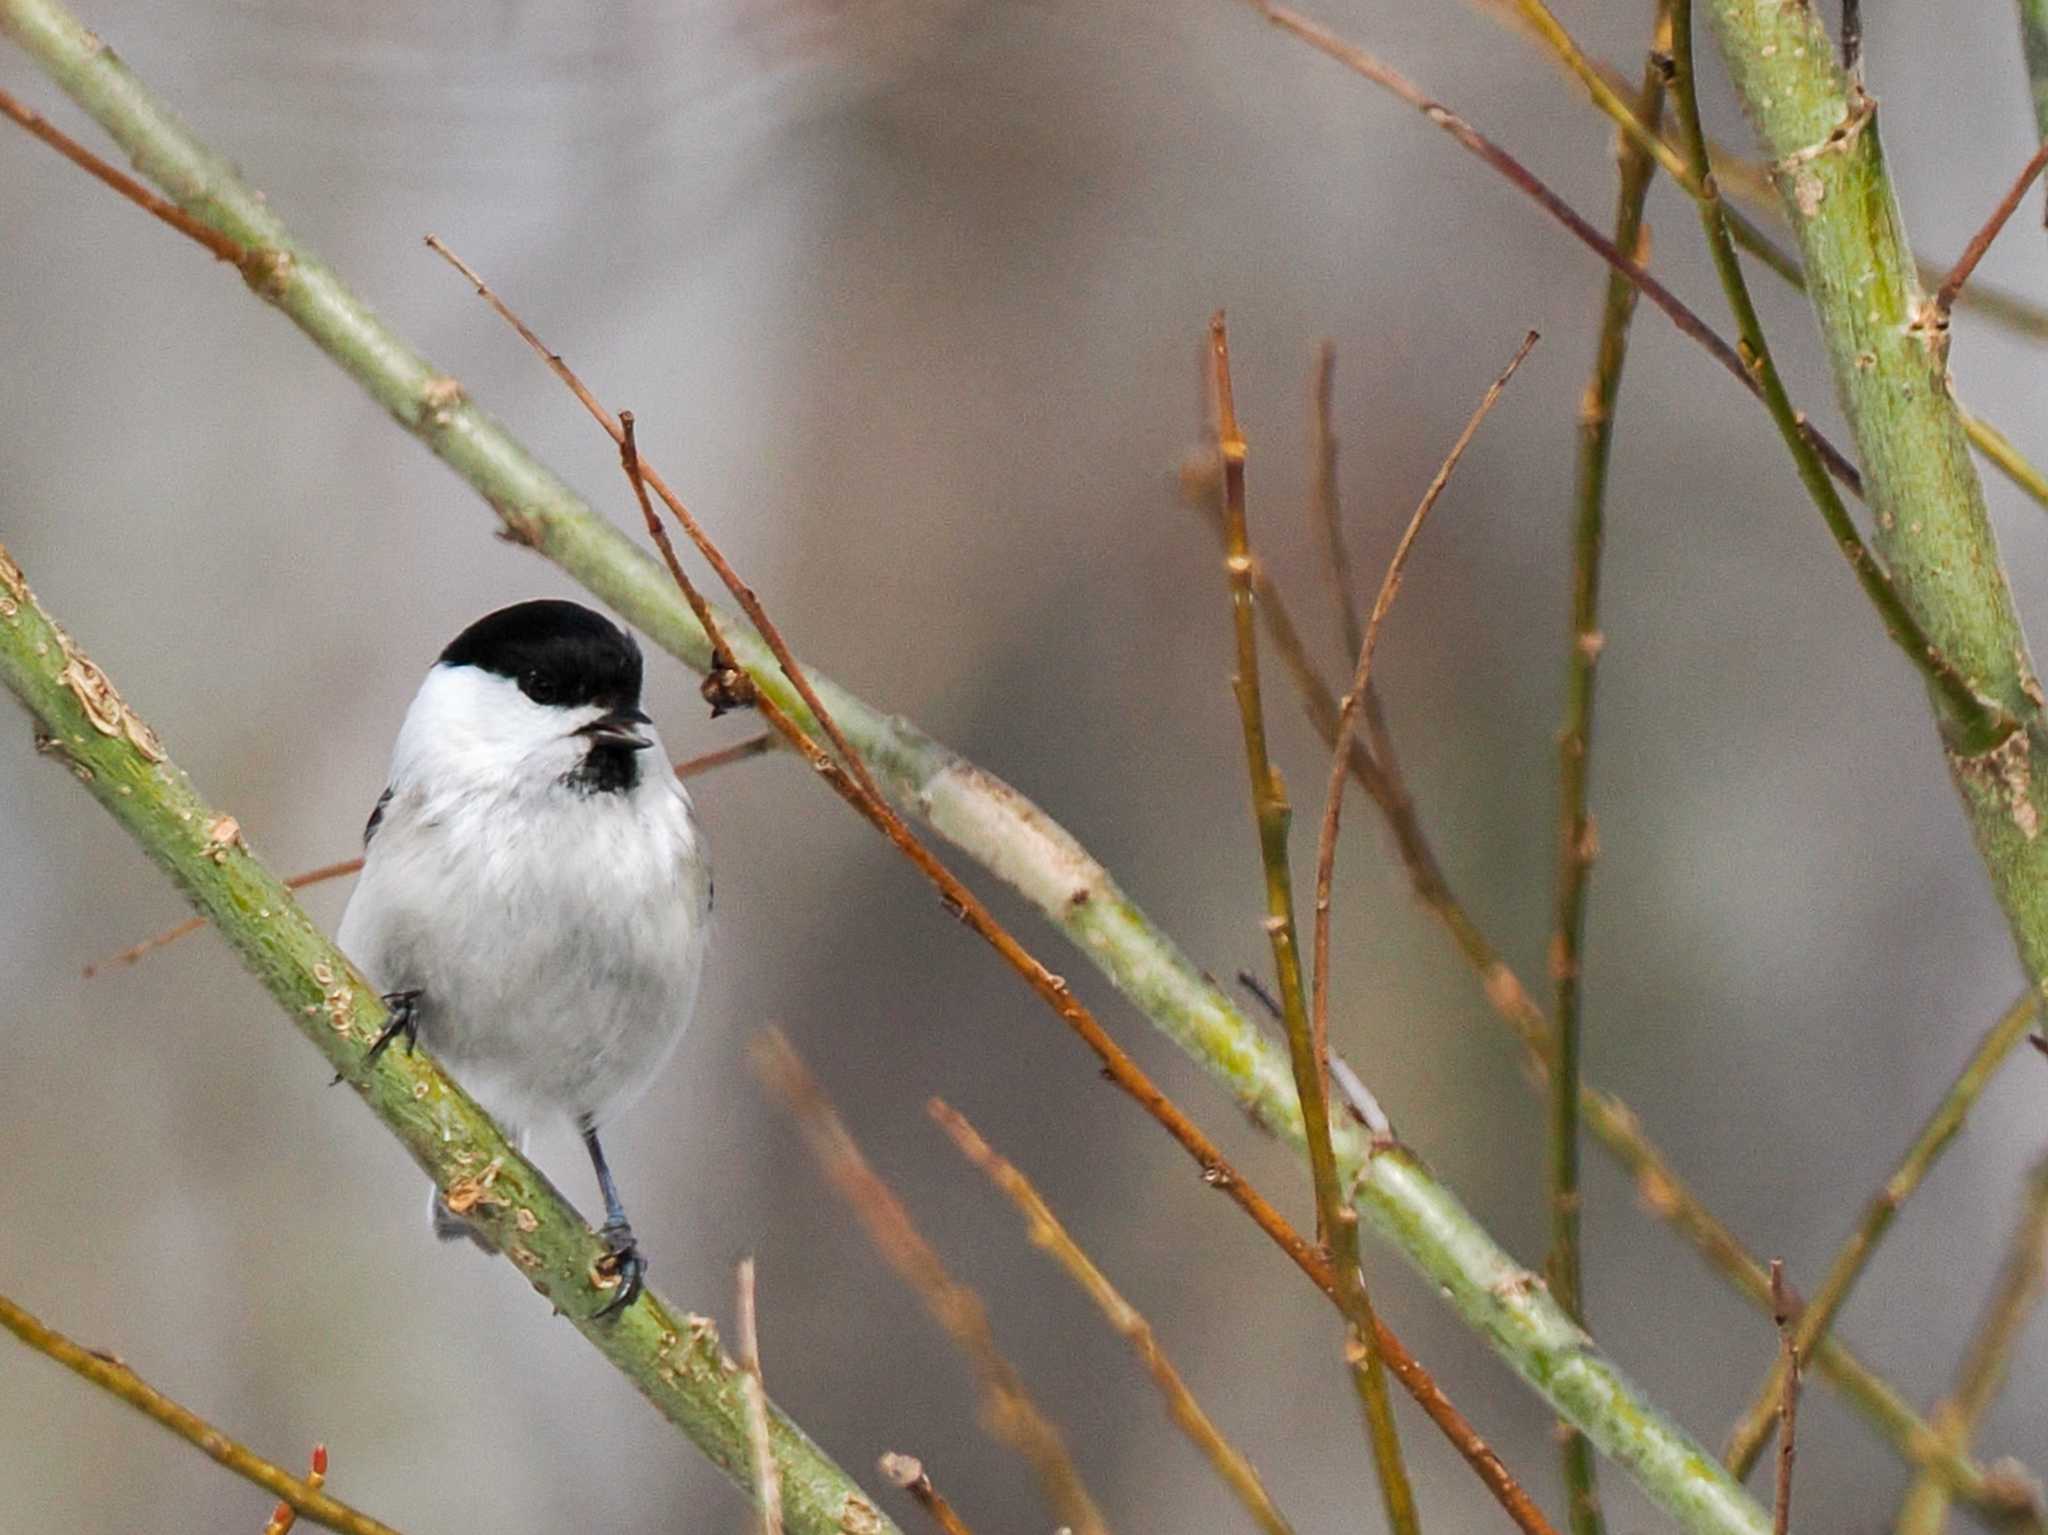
(536, 893)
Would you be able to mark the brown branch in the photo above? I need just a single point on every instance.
(688, 768)
(1307, 1048)
(1325, 505)
(111, 1375)
(908, 1472)
(767, 1475)
(1008, 1411)
(1359, 62)
(1788, 1400)
(1117, 1066)
(1228, 1462)
(1980, 242)
(224, 249)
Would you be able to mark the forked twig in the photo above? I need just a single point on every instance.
(1986, 722)
(1307, 1045)
(1229, 1463)
(1813, 1321)
(908, 1472)
(111, 1375)
(2021, 1282)
(1008, 1410)
(1325, 504)
(1118, 1067)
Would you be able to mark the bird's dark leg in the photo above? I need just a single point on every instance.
(617, 1232)
(404, 1007)
(405, 1021)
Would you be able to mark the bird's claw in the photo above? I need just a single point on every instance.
(622, 1264)
(405, 1021)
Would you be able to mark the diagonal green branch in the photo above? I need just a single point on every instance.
(1889, 360)
(1498, 1297)
(673, 1359)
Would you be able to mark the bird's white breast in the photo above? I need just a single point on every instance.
(556, 935)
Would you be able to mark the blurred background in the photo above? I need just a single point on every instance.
(907, 295)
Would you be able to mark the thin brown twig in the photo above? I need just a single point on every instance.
(223, 248)
(2022, 1279)
(1689, 323)
(1307, 1045)
(1008, 1410)
(767, 1475)
(1788, 1400)
(1325, 504)
(1941, 1126)
(1117, 1066)
(1663, 1193)
(1577, 836)
(688, 768)
(908, 1473)
(1047, 1232)
(110, 1374)
(1980, 242)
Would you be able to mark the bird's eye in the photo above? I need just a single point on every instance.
(540, 687)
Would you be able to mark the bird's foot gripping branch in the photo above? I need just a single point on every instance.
(672, 1358)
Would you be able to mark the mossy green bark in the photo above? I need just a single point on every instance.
(1889, 356)
(1504, 1301)
(674, 1360)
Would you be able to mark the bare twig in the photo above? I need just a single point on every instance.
(223, 248)
(1325, 505)
(111, 1375)
(1788, 1399)
(1982, 719)
(908, 1472)
(1307, 1041)
(688, 768)
(1980, 242)
(1118, 1067)
(1577, 840)
(2021, 1282)
(1613, 1123)
(1229, 1463)
(1008, 1411)
(767, 1476)
(1818, 1315)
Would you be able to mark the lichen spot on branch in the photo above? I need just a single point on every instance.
(2005, 774)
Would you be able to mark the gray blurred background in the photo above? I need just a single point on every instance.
(907, 295)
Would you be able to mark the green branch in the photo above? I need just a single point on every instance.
(1498, 1297)
(673, 1359)
(1889, 361)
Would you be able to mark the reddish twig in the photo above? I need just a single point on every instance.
(231, 251)
(1008, 1410)
(1980, 242)
(1359, 62)
(1117, 1066)
(908, 1472)
(1229, 1463)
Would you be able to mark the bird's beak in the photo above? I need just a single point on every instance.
(616, 729)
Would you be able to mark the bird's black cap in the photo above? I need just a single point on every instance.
(558, 652)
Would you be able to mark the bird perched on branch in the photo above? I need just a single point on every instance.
(536, 893)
